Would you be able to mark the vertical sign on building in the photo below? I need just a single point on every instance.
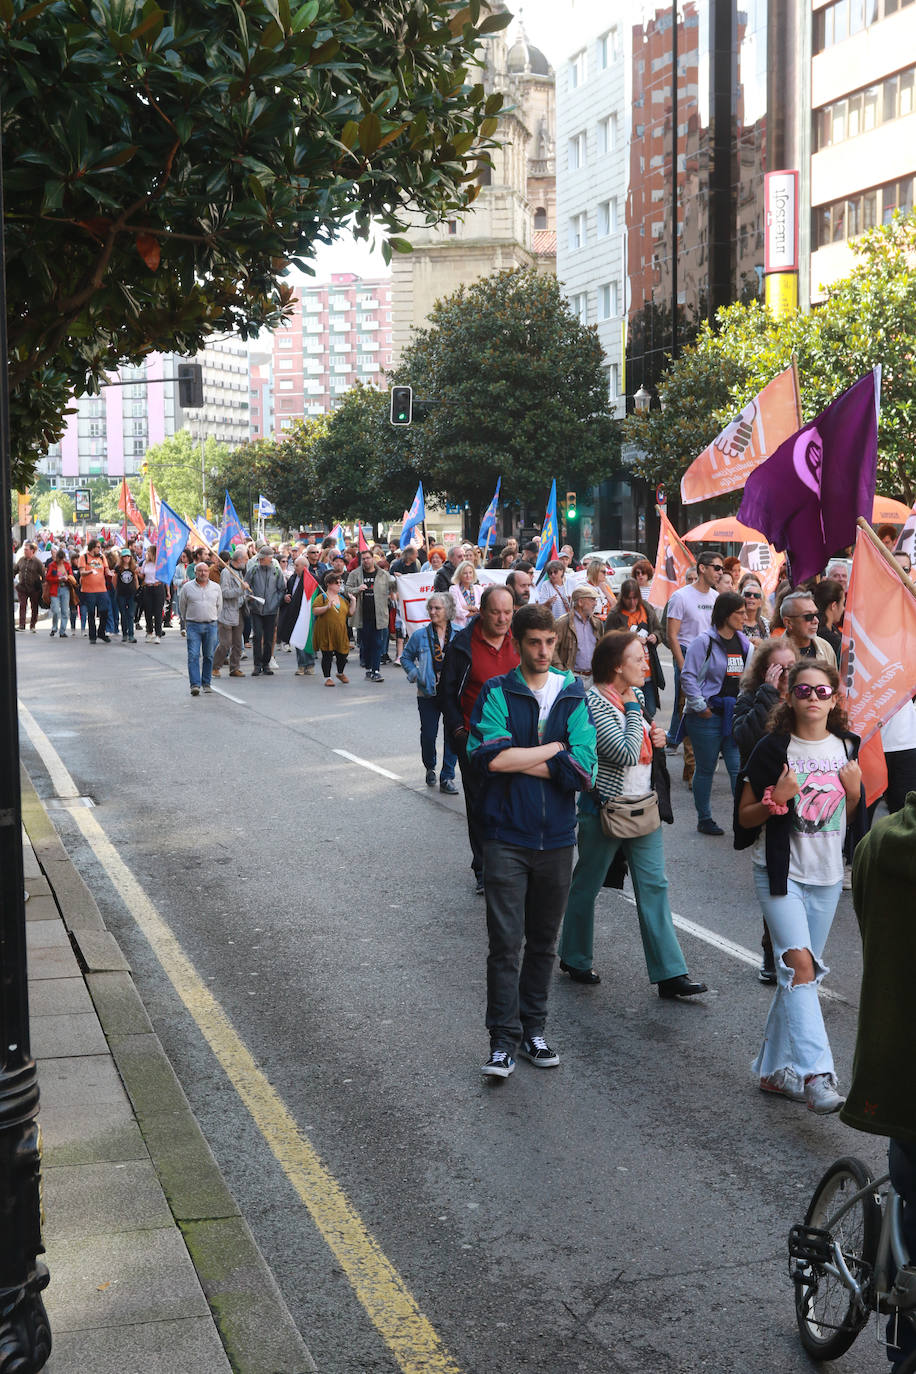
(781, 243)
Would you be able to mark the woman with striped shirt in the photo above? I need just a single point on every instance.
(625, 743)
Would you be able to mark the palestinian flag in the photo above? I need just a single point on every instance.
(301, 637)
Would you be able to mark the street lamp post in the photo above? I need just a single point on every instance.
(25, 1336)
(642, 400)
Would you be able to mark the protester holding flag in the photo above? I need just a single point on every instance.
(201, 602)
(331, 636)
(710, 679)
(800, 789)
(234, 588)
(422, 660)
(291, 609)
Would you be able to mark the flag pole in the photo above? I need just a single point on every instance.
(486, 551)
(888, 557)
(798, 409)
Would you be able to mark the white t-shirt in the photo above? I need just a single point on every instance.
(900, 730)
(557, 598)
(693, 609)
(546, 696)
(819, 822)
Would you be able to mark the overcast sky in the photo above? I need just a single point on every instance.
(544, 23)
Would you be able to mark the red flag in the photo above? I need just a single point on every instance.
(361, 541)
(879, 649)
(671, 563)
(128, 505)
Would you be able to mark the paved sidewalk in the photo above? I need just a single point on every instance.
(153, 1270)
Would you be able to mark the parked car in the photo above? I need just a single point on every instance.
(618, 561)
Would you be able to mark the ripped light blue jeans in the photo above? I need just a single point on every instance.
(795, 1036)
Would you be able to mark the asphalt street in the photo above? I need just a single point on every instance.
(625, 1212)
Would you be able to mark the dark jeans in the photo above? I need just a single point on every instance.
(901, 1158)
(202, 636)
(675, 711)
(327, 658)
(651, 696)
(126, 610)
(95, 602)
(262, 633)
(29, 596)
(153, 602)
(526, 897)
(430, 711)
(113, 612)
(374, 644)
(472, 789)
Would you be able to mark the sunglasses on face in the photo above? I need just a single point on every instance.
(716, 567)
(803, 691)
(803, 615)
(753, 596)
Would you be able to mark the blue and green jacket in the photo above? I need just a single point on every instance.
(533, 813)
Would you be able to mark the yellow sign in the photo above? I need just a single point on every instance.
(25, 507)
(782, 294)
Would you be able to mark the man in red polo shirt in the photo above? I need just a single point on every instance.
(483, 649)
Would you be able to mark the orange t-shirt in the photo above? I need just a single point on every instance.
(92, 572)
(635, 619)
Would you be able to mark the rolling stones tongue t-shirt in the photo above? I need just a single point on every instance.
(819, 822)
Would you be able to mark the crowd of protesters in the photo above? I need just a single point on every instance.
(547, 690)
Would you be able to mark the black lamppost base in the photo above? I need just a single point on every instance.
(25, 1332)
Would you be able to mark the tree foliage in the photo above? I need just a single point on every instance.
(41, 508)
(518, 391)
(868, 317)
(180, 473)
(166, 160)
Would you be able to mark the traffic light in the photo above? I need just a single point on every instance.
(401, 405)
(190, 386)
(571, 511)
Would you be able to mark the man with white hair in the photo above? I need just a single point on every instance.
(233, 587)
(443, 582)
(800, 618)
(200, 603)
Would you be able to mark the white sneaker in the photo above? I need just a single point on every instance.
(273, 663)
(785, 1083)
(821, 1094)
(149, 639)
(287, 648)
(847, 878)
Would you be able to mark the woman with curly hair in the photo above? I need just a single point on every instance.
(795, 798)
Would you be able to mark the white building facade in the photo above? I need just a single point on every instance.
(592, 138)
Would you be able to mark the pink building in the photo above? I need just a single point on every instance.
(340, 333)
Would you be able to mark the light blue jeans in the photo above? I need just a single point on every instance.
(705, 734)
(795, 1036)
(202, 637)
(60, 605)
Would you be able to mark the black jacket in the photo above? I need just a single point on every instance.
(752, 710)
(764, 769)
(455, 668)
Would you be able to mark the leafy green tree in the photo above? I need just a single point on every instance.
(518, 390)
(278, 468)
(164, 164)
(360, 469)
(41, 507)
(181, 474)
(868, 317)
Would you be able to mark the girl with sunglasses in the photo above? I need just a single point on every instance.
(799, 791)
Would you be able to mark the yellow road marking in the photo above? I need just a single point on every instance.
(377, 1284)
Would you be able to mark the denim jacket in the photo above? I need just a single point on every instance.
(417, 659)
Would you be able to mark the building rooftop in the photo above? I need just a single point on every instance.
(544, 243)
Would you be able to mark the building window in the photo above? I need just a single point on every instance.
(607, 135)
(578, 305)
(540, 218)
(453, 226)
(865, 110)
(608, 48)
(612, 378)
(484, 174)
(577, 230)
(287, 386)
(576, 152)
(577, 70)
(284, 341)
(844, 219)
(607, 217)
(607, 301)
(840, 20)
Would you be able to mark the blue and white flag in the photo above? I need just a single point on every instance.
(338, 534)
(232, 531)
(171, 538)
(265, 507)
(549, 546)
(208, 533)
(415, 516)
(488, 523)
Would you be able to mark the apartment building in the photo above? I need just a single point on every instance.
(339, 333)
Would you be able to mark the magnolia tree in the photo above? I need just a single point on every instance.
(164, 165)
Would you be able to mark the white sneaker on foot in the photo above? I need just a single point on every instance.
(785, 1083)
(821, 1094)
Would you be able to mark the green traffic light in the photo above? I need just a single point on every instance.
(571, 513)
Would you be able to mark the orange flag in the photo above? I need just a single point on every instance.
(879, 649)
(671, 563)
(765, 422)
(131, 510)
(153, 504)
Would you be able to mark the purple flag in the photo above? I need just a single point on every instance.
(807, 497)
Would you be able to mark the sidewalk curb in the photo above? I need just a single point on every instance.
(254, 1323)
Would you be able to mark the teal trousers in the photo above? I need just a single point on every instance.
(646, 859)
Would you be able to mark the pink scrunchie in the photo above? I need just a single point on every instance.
(775, 808)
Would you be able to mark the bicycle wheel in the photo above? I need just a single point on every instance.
(829, 1317)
